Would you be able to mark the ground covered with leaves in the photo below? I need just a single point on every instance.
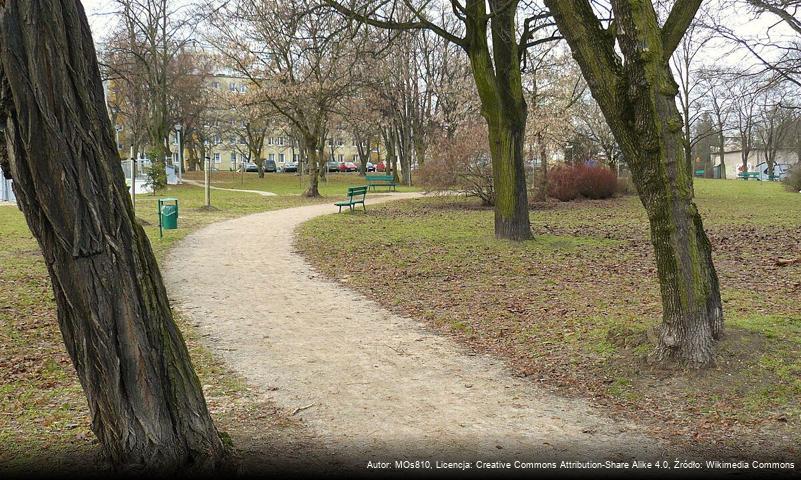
(573, 309)
(44, 419)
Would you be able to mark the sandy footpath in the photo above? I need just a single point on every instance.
(378, 386)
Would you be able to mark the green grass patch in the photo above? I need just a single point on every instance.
(43, 412)
(335, 184)
(576, 306)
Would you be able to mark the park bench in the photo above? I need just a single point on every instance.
(353, 198)
(699, 172)
(381, 181)
(774, 178)
(747, 175)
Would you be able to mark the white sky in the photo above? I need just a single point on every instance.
(100, 17)
(99, 14)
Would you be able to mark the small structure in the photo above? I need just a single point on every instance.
(6, 192)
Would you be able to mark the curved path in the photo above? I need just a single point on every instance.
(378, 386)
(257, 192)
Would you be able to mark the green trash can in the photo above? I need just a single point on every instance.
(168, 214)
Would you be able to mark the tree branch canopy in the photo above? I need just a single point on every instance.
(420, 24)
(678, 21)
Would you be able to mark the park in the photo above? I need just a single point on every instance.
(256, 237)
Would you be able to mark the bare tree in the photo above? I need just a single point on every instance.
(146, 403)
(302, 60)
(719, 104)
(151, 36)
(488, 32)
(684, 63)
(775, 122)
(623, 53)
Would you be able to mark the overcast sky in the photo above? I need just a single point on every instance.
(101, 18)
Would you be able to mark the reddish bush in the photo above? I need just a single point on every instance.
(563, 183)
(566, 182)
(596, 182)
(461, 164)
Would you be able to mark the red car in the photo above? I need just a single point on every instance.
(381, 167)
(348, 167)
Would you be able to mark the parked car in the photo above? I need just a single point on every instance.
(291, 167)
(381, 167)
(250, 167)
(333, 166)
(348, 167)
(270, 166)
(370, 167)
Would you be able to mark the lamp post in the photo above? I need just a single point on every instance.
(117, 130)
(178, 138)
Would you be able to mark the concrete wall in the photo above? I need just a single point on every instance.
(734, 160)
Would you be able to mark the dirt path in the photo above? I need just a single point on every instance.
(377, 386)
(257, 192)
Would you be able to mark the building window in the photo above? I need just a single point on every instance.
(233, 159)
(355, 158)
(232, 87)
(339, 142)
(243, 88)
(341, 158)
(269, 140)
(279, 141)
(217, 158)
(281, 157)
(295, 157)
(217, 138)
(215, 85)
(271, 157)
(330, 142)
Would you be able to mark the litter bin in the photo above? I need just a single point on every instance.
(168, 214)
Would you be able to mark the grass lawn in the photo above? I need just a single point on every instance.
(573, 308)
(43, 413)
(288, 183)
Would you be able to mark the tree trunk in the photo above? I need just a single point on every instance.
(313, 159)
(145, 400)
(542, 188)
(499, 83)
(509, 180)
(638, 99)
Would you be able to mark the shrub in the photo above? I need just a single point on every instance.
(461, 164)
(793, 179)
(563, 183)
(567, 182)
(596, 182)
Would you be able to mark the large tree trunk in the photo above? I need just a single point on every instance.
(692, 311)
(509, 180)
(638, 99)
(499, 84)
(145, 400)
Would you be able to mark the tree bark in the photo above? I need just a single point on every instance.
(145, 400)
(542, 188)
(313, 159)
(499, 84)
(638, 99)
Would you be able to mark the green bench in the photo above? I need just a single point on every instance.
(747, 175)
(353, 198)
(381, 181)
(774, 178)
(699, 172)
